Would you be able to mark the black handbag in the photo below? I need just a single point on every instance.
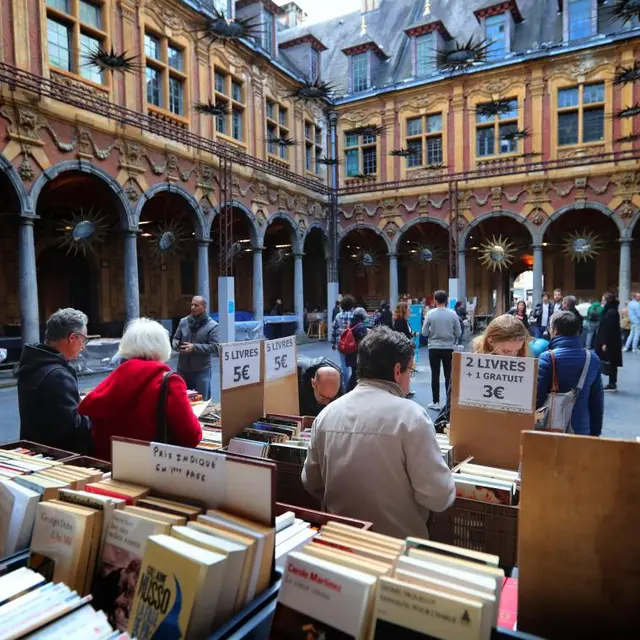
(605, 368)
(162, 433)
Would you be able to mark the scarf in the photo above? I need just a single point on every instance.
(196, 322)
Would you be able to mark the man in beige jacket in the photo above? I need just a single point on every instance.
(373, 453)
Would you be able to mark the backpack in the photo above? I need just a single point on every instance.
(347, 343)
(555, 415)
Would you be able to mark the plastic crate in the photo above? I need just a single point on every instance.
(241, 618)
(88, 461)
(318, 518)
(11, 563)
(36, 447)
(289, 487)
(479, 526)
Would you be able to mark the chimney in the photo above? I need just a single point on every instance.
(292, 15)
(369, 5)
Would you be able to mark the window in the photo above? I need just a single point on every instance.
(425, 55)
(494, 136)
(313, 146)
(223, 6)
(496, 36)
(277, 127)
(314, 64)
(424, 140)
(581, 114)
(232, 123)
(267, 35)
(74, 32)
(360, 72)
(164, 74)
(579, 19)
(361, 155)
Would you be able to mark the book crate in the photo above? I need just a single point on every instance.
(88, 461)
(480, 526)
(318, 518)
(42, 449)
(289, 487)
(11, 563)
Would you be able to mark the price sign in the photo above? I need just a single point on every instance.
(240, 364)
(280, 357)
(497, 382)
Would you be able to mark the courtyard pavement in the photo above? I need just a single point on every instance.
(621, 408)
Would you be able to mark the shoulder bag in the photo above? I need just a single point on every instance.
(162, 432)
(555, 415)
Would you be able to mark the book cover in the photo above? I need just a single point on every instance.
(7, 500)
(177, 592)
(324, 598)
(483, 491)
(119, 565)
(508, 610)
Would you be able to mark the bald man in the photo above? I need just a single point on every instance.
(196, 339)
(319, 383)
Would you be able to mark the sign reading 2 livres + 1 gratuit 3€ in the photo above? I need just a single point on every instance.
(500, 383)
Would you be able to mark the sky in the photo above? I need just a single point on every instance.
(319, 10)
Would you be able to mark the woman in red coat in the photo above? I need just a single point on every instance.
(126, 402)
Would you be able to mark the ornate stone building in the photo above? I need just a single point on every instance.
(475, 139)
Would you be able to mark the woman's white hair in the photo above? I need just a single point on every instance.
(145, 339)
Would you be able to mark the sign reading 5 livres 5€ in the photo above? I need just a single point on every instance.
(497, 382)
(280, 357)
(240, 364)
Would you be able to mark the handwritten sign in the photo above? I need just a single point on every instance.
(240, 364)
(280, 357)
(497, 382)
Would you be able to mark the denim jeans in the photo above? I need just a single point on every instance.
(634, 337)
(346, 372)
(199, 381)
(592, 328)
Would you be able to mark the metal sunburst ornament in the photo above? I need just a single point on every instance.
(277, 259)
(167, 239)
(212, 109)
(625, 75)
(463, 56)
(517, 134)
(328, 162)
(630, 138)
(222, 29)
(497, 253)
(628, 112)
(112, 61)
(82, 231)
(425, 255)
(401, 153)
(369, 130)
(625, 11)
(582, 246)
(494, 108)
(367, 259)
(312, 90)
(282, 140)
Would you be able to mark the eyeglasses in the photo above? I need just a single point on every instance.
(413, 372)
(85, 338)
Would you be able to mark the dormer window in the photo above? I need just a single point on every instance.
(427, 38)
(314, 64)
(360, 72)
(305, 50)
(223, 6)
(499, 21)
(425, 55)
(579, 19)
(495, 28)
(268, 40)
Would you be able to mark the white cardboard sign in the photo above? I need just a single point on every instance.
(500, 383)
(280, 357)
(240, 364)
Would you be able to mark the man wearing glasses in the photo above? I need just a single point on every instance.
(48, 387)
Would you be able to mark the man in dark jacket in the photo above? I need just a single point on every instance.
(319, 383)
(570, 359)
(569, 303)
(197, 339)
(48, 387)
(542, 313)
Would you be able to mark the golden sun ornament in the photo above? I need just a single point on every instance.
(582, 246)
(497, 253)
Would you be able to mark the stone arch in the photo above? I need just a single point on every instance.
(254, 229)
(497, 214)
(632, 225)
(325, 236)
(365, 227)
(577, 206)
(169, 187)
(16, 182)
(296, 243)
(396, 241)
(127, 217)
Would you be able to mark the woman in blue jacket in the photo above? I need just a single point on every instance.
(570, 358)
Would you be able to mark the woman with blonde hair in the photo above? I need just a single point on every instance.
(401, 320)
(142, 398)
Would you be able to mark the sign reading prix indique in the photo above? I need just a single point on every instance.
(240, 364)
(500, 383)
(280, 358)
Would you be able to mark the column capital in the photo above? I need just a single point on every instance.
(461, 252)
(298, 255)
(626, 241)
(392, 256)
(537, 247)
(259, 249)
(203, 242)
(131, 233)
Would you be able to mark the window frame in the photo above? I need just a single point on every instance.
(429, 67)
(227, 96)
(76, 28)
(580, 108)
(499, 19)
(278, 126)
(313, 145)
(365, 83)
(424, 136)
(362, 148)
(268, 34)
(571, 22)
(496, 124)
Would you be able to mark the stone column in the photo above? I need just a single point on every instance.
(538, 260)
(258, 285)
(204, 289)
(28, 283)
(131, 284)
(298, 291)
(624, 284)
(462, 275)
(393, 280)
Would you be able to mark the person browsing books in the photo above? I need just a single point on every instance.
(373, 454)
(359, 330)
(48, 386)
(319, 383)
(127, 402)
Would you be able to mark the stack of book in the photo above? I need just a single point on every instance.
(291, 534)
(447, 449)
(487, 484)
(209, 418)
(357, 584)
(28, 603)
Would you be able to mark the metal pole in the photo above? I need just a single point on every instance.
(333, 286)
